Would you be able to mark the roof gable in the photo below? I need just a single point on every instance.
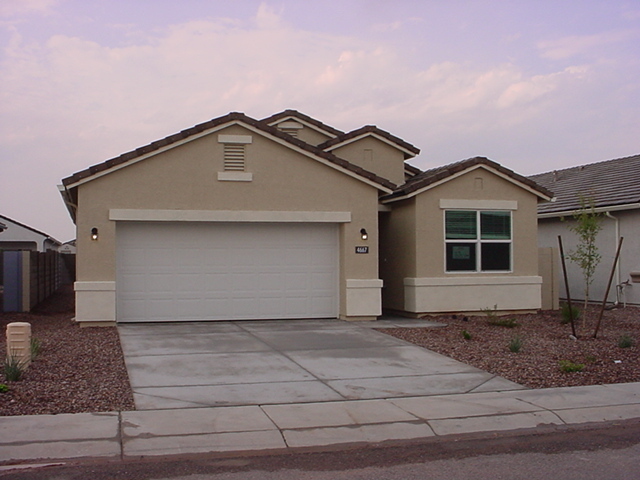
(211, 126)
(610, 184)
(310, 122)
(370, 131)
(7, 220)
(439, 175)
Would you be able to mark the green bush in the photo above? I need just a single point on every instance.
(3, 388)
(466, 335)
(13, 368)
(515, 345)
(569, 366)
(625, 341)
(564, 309)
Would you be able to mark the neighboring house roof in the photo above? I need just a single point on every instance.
(3, 226)
(436, 176)
(231, 118)
(370, 130)
(296, 115)
(611, 185)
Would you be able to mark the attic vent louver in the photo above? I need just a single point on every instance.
(290, 127)
(291, 131)
(233, 157)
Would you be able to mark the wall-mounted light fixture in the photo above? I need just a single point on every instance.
(363, 234)
(94, 234)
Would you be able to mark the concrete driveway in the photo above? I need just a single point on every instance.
(187, 365)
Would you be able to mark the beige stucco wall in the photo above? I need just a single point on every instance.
(384, 160)
(423, 292)
(185, 178)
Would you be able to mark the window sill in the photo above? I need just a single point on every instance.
(235, 176)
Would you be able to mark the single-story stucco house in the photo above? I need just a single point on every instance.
(287, 217)
(18, 236)
(613, 188)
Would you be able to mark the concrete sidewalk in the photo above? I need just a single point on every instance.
(281, 427)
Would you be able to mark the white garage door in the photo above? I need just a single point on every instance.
(225, 271)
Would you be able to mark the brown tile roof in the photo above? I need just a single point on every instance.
(231, 117)
(429, 177)
(609, 183)
(296, 114)
(371, 129)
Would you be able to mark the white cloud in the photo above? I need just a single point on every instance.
(567, 47)
(11, 8)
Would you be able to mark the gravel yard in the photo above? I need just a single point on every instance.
(77, 370)
(545, 342)
(82, 370)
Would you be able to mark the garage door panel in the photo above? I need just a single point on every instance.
(200, 271)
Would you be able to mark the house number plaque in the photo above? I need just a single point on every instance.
(363, 249)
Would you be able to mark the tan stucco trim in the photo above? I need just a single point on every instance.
(139, 215)
(464, 172)
(456, 281)
(235, 176)
(95, 286)
(243, 139)
(479, 204)
(377, 137)
(472, 294)
(95, 303)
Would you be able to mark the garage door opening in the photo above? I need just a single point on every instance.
(193, 271)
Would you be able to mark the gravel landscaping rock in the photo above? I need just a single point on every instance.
(82, 369)
(77, 369)
(545, 343)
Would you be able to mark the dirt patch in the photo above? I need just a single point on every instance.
(545, 342)
(77, 370)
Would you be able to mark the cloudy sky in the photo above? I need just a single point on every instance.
(534, 85)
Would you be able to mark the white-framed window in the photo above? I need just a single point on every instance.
(478, 240)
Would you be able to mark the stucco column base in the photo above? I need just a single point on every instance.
(364, 299)
(95, 303)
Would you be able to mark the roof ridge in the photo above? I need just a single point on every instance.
(201, 127)
(442, 172)
(302, 116)
(581, 167)
(370, 129)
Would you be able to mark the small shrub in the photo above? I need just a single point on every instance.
(570, 367)
(13, 368)
(575, 312)
(515, 345)
(466, 335)
(35, 347)
(503, 322)
(491, 314)
(3, 388)
(625, 341)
